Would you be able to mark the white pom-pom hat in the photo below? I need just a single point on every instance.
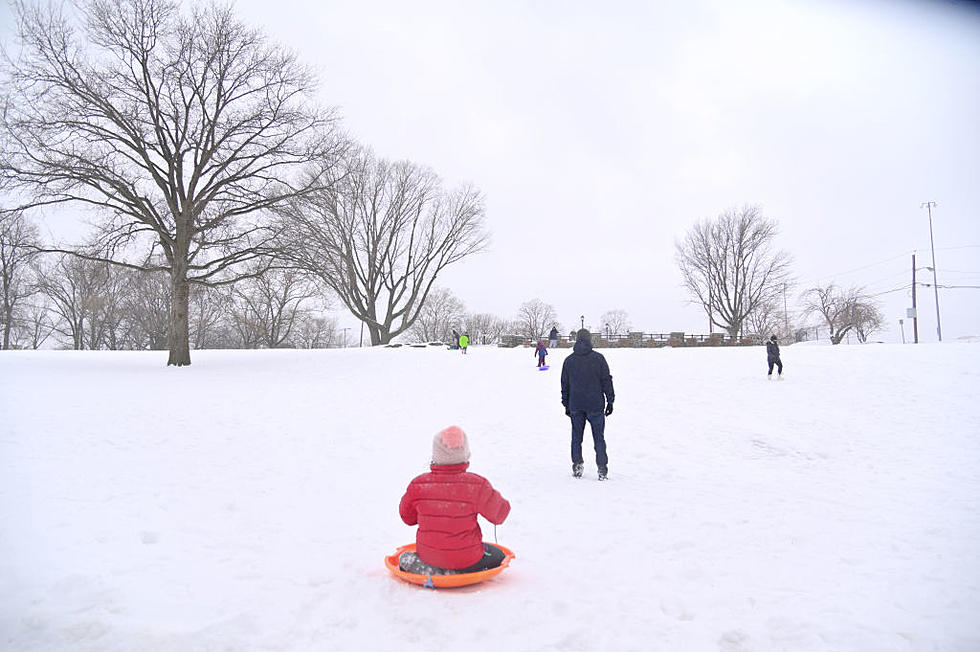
(450, 446)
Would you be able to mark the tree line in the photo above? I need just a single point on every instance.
(214, 175)
(84, 304)
(202, 152)
(733, 270)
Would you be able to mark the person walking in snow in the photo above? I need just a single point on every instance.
(541, 351)
(464, 341)
(455, 344)
(553, 336)
(444, 503)
(772, 356)
(587, 387)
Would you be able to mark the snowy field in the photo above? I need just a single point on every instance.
(246, 503)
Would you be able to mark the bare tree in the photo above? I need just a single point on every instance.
(485, 328)
(18, 247)
(767, 319)
(108, 316)
(729, 265)
(270, 305)
(380, 235)
(182, 131)
(74, 287)
(535, 318)
(867, 320)
(616, 322)
(147, 310)
(842, 310)
(209, 307)
(34, 326)
(440, 314)
(314, 331)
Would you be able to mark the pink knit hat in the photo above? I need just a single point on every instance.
(450, 446)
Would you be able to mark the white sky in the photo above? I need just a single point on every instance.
(600, 132)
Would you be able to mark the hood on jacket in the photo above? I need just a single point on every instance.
(583, 343)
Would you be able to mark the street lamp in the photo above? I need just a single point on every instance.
(935, 284)
(583, 320)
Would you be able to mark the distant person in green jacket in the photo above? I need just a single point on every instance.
(464, 341)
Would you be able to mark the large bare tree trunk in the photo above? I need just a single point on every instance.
(179, 333)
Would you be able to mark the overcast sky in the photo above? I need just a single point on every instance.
(600, 132)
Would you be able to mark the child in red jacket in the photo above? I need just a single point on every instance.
(444, 503)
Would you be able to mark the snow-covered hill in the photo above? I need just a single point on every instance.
(245, 503)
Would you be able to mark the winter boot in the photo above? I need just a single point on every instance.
(603, 473)
(577, 469)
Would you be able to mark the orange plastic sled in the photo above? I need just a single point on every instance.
(445, 581)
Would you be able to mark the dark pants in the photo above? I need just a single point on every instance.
(540, 360)
(775, 361)
(598, 423)
(492, 557)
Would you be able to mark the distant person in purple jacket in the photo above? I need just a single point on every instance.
(541, 351)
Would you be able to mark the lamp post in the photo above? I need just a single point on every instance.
(583, 320)
(901, 324)
(935, 284)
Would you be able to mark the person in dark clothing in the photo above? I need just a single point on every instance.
(772, 354)
(587, 388)
(553, 337)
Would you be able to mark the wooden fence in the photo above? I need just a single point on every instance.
(638, 340)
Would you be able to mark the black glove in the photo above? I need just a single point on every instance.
(568, 412)
(608, 409)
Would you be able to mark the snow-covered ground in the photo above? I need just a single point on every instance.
(246, 503)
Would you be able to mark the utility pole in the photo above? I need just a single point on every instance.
(935, 283)
(915, 314)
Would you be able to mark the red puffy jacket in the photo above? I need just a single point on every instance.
(444, 503)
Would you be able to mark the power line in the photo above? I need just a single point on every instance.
(960, 247)
(897, 256)
(898, 289)
(858, 269)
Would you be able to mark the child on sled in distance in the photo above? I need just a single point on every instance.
(444, 504)
(541, 351)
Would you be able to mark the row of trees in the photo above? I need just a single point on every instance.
(202, 152)
(90, 304)
(444, 312)
(731, 267)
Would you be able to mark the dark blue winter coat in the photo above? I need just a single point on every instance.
(586, 384)
(772, 351)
